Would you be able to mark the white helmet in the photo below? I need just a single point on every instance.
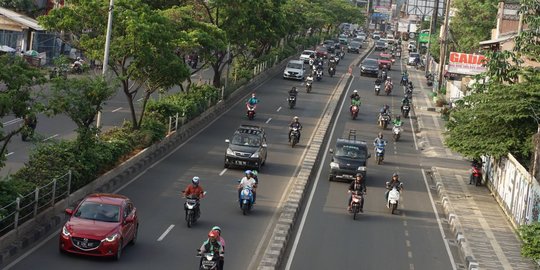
(355, 91)
(195, 180)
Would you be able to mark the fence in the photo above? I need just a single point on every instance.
(28, 206)
(517, 192)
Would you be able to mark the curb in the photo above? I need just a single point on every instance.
(44, 224)
(455, 225)
(277, 247)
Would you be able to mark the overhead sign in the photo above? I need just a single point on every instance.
(423, 37)
(464, 63)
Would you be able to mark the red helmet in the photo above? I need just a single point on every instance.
(212, 234)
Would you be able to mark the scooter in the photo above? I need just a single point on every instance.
(388, 89)
(396, 131)
(319, 75)
(379, 153)
(377, 89)
(355, 203)
(393, 199)
(354, 111)
(251, 111)
(295, 136)
(292, 101)
(309, 83)
(405, 111)
(331, 71)
(246, 200)
(210, 261)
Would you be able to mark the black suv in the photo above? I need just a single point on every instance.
(247, 148)
(349, 158)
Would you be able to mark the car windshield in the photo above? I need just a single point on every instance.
(307, 53)
(329, 42)
(370, 62)
(350, 151)
(321, 49)
(384, 58)
(355, 44)
(413, 55)
(245, 139)
(380, 43)
(294, 65)
(98, 211)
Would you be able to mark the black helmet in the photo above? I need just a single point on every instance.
(294, 88)
(359, 175)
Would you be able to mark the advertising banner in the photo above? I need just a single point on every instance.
(464, 63)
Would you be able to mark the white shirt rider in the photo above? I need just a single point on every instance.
(247, 182)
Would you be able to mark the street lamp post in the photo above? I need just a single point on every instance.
(106, 53)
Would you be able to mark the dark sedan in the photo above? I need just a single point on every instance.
(369, 66)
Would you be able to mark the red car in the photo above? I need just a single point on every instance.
(101, 225)
(321, 51)
(385, 60)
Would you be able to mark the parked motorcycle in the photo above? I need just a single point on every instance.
(210, 261)
(405, 111)
(377, 89)
(379, 153)
(354, 111)
(295, 136)
(429, 78)
(355, 203)
(396, 132)
(250, 112)
(292, 101)
(393, 199)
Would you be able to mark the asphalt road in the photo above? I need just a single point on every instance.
(156, 192)
(115, 111)
(329, 238)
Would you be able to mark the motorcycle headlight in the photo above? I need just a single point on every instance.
(255, 155)
(362, 168)
(230, 152)
(65, 231)
(111, 238)
(334, 165)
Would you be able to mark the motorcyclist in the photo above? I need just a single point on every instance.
(248, 181)
(194, 190)
(217, 230)
(252, 101)
(394, 182)
(357, 185)
(255, 176)
(405, 102)
(404, 77)
(212, 245)
(476, 163)
(397, 121)
(378, 81)
(295, 124)
(379, 140)
(332, 62)
(355, 95)
(355, 100)
(309, 78)
(389, 84)
(293, 91)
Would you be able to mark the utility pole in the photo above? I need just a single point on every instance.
(106, 54)
(432, 27)
(444, 44)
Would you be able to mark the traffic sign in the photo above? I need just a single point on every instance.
(412, 35)
(423, 37)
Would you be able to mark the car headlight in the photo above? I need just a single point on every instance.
(362, 168)
(362, 67)
(334, 165)
(65, 231)
(255, 155)
(230, 152)
(111, 238)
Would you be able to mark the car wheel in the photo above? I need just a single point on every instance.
(135, 235)
(119, 251)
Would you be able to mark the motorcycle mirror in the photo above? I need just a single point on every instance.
(387, 183)
(227, 141)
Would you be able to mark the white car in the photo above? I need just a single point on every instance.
(306, 54)
(294, 70)
(412, 56)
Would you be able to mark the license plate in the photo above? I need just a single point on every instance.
(347, 176)
(240, 162)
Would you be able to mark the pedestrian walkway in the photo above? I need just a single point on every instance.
(482, 232)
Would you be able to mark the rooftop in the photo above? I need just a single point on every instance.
(21, 19)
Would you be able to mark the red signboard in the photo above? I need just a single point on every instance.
(464, 63)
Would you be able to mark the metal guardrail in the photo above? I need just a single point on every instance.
(28, 206)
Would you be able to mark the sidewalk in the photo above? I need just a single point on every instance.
(481, 230)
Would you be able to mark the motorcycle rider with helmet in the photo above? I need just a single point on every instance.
(293, 91)
(357, 185)
(195, 190)
(394, 182)
(214, 246)
(248, 181)
(295, 124)
(397, 122)
(355, 99)
(379, 140)
(252, 101)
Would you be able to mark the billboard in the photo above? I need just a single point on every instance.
(424, 7)
(465, 63)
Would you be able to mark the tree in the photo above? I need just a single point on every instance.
(80, 100)
(495, 122)
(528, 41)
(472, 23)
(142, 39)
(16, 96)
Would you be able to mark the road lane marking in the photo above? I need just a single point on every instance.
(139, 100)
(409, 254)
(222, 172)
(12, 121)
(439, 222)
(10, 153)
(117, 109)
(404, 223)
(315, 184)
(165, 232)
(411, 266)
(278, 109)
(53, 136)
(408, 243)
(407, 233)
(269, 119)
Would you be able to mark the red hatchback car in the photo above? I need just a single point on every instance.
(101, 225)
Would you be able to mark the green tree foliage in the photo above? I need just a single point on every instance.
(16, 96)
(528, 42)
(472, 23)
(80, 100)
(495, 122)
(531, 240)
(142, 41)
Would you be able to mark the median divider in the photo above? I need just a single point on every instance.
(37, 229)
(277, 246)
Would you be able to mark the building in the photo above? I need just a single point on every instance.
(17, 31)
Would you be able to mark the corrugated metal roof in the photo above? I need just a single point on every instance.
(22, 19)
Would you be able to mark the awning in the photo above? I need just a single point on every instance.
(4, 48)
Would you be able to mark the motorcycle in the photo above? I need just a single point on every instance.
(388, 89)
(331, 71)
(429, 78)
(355, 203)
(292, 101)
(396, 131)
(295, 136)
(246, 200)
(377, 89)
(405, 111)
(342, 54)
(354, 111)
(379, 153)
(408, 93)
(393, 199)
(250, 112)
(477, 175)
(337, 58)
(383, 121)
(209, 260)
(308, 85)
(192, 210)
(404, 81)
(384, 76)
(319, 75)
